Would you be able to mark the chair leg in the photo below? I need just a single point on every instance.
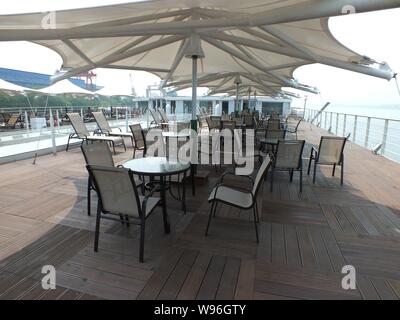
(89, 188)
(69, 138)
(134, 153)
(291, 175)
(142, 235)
(183, 193)
(342, 172)
(301, 179)
(255, 223)
(97, 232)
(210, 216)
(315, 171)
(258, 214)
(309, 166)
(123, 142)
(193, 184)
(113, 146)
(215, 210)
(334, 169)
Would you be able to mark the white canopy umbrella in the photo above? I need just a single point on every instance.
(12, 88)
(65, 87)
(113, 92)
(256, 36)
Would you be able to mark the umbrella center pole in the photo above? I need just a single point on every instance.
(193, 122)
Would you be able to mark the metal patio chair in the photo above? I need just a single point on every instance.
(241, 199)
(83, 134)
(288, 157)
(330, 152)
(138, 138)
(105, 128)
(294, 130)
(157, 120)
(118, 196)
(99, 154)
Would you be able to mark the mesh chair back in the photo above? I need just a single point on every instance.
(101, 122)
(209, 123)
(248, 119)
(238, 121)
(276, 134)
(78, 125)
(13, 120)
(116, 190)
(262, 171)
(97, 154)
(288, 154)
(163, 115)
(331, 150)
(274, 124)
(228, 124)
(225, 117)
(215, 122)
(154, 114)
(138, 136)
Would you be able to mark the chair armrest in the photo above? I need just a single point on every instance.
(232, 172)
(229, 172)
(314, 152)
(81, 134)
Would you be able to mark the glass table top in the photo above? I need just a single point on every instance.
(156, 166)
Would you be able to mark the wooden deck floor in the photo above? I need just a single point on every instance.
(305, 238)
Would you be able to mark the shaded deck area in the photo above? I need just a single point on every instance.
(305, 238)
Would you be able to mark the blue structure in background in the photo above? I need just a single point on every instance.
(32, 79)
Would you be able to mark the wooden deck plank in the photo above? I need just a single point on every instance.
(227, 286)
(212, 278)
(195, 277)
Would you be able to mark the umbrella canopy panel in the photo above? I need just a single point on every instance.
(112, 92)
(12, 88)
(226, 82)
(257, 36)
(65, 87)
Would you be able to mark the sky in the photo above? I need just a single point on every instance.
(372, 34)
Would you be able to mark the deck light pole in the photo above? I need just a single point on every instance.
(248, 100)
(238, 81)
(194, 52)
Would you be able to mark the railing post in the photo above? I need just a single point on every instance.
(326, 115)
(26, 121)
(367, 132)
(337, 124)
(58, 118)
(344, 124)
(53, 135)
(384, 138)
(355, 128)
(126, 120)
(330, 122)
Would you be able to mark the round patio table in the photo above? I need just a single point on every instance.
(159, 167)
